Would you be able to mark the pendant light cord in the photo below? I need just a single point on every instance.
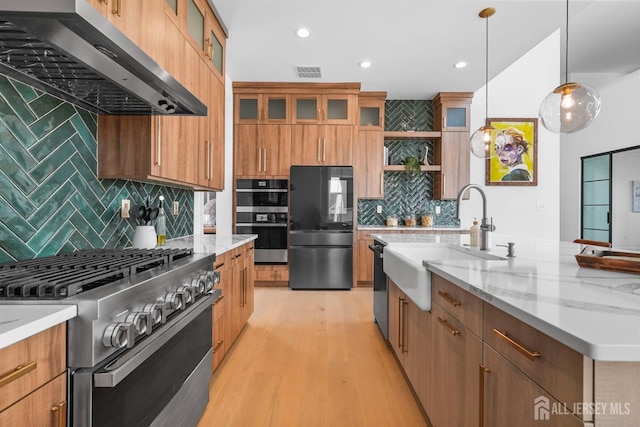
(566, 46)
(486, 73)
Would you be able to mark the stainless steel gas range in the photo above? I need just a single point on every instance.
(139, 351)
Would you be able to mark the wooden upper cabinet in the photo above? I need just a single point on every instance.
(325, 108)
(321, 145)
(454, 157)
(371, 110)
(206, 34)
(262, 150)
(452, 111)
(257, 108)
(368, 148)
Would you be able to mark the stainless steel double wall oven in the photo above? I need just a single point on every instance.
(262, 209)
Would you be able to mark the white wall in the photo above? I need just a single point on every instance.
(614, 128)
(517, 93)
(625, 223)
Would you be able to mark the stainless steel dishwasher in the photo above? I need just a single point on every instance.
(380, 289)
(321, 260)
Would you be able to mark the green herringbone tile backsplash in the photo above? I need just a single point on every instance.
(50, 198)
(407, 193)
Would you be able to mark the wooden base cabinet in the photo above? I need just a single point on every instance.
(409, 336)
(33, 377)
(45, 407)
(237, 304)
(510, 398)
(455, 354)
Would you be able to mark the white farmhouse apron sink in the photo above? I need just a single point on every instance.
(403, 263)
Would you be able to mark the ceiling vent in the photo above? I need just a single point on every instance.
(308, 72)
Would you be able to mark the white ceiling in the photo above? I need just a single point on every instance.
(413, 44)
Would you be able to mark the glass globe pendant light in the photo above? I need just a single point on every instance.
(571, 106)
(481, 139)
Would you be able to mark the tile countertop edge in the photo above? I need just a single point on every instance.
(556, 315)
(18, 322)
(211, 243)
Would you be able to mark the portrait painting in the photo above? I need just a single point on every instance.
(513, 152)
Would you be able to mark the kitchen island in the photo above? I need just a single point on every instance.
(540, 337)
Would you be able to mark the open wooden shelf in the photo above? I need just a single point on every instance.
(411, 135)
(400, 168)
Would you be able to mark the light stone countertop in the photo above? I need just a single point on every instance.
(595, 312)
(20, 321)
(210, 243)
(417, 228)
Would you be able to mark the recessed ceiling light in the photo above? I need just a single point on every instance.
(460, 64)
(303, 33)
(365, 64)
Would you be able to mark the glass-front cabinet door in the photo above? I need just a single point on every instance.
(195, 22)
(262, 109)
(452, 111)
(324, 109)
(596, 198)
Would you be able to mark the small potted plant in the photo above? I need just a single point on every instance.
(412, 164)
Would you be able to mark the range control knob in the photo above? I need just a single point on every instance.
(156, 312)
(175, 300)
(208, 278)
(118, 335)
(188, 294)
(141, 322)
(198, 285)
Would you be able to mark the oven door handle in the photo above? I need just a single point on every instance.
(261, 224)
(113, 373)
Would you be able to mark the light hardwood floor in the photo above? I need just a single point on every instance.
(310, 358)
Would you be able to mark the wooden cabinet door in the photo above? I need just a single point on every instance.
(324, 145)
(339, 109)
(247, 151)
(455, 358)
(364, 262)
(396, 320)
(276, 145)
(45, 407)
(337, 145)
(264, 108)
(215, 121)
(130, 17)
(306, 145)
(249, 258)
(454, 159)
(418, 352)
(510, 398)
(237, 304)
(223, 265)
(368, 158)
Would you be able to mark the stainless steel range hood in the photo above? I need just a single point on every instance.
(68, 49)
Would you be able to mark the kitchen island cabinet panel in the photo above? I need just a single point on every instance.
(511, 399)
(455, 354)
(554, 366)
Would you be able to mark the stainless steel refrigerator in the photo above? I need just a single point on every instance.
(321, 227)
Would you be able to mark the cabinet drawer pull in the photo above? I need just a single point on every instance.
(453, 302)
(236, 256)
(405, 330)
(18, 372)
(61, 409)
(116, 9)
(444, 323)
(218, 344)
(220, 298)
(218, 266)
(400, 326)
(503, 335)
